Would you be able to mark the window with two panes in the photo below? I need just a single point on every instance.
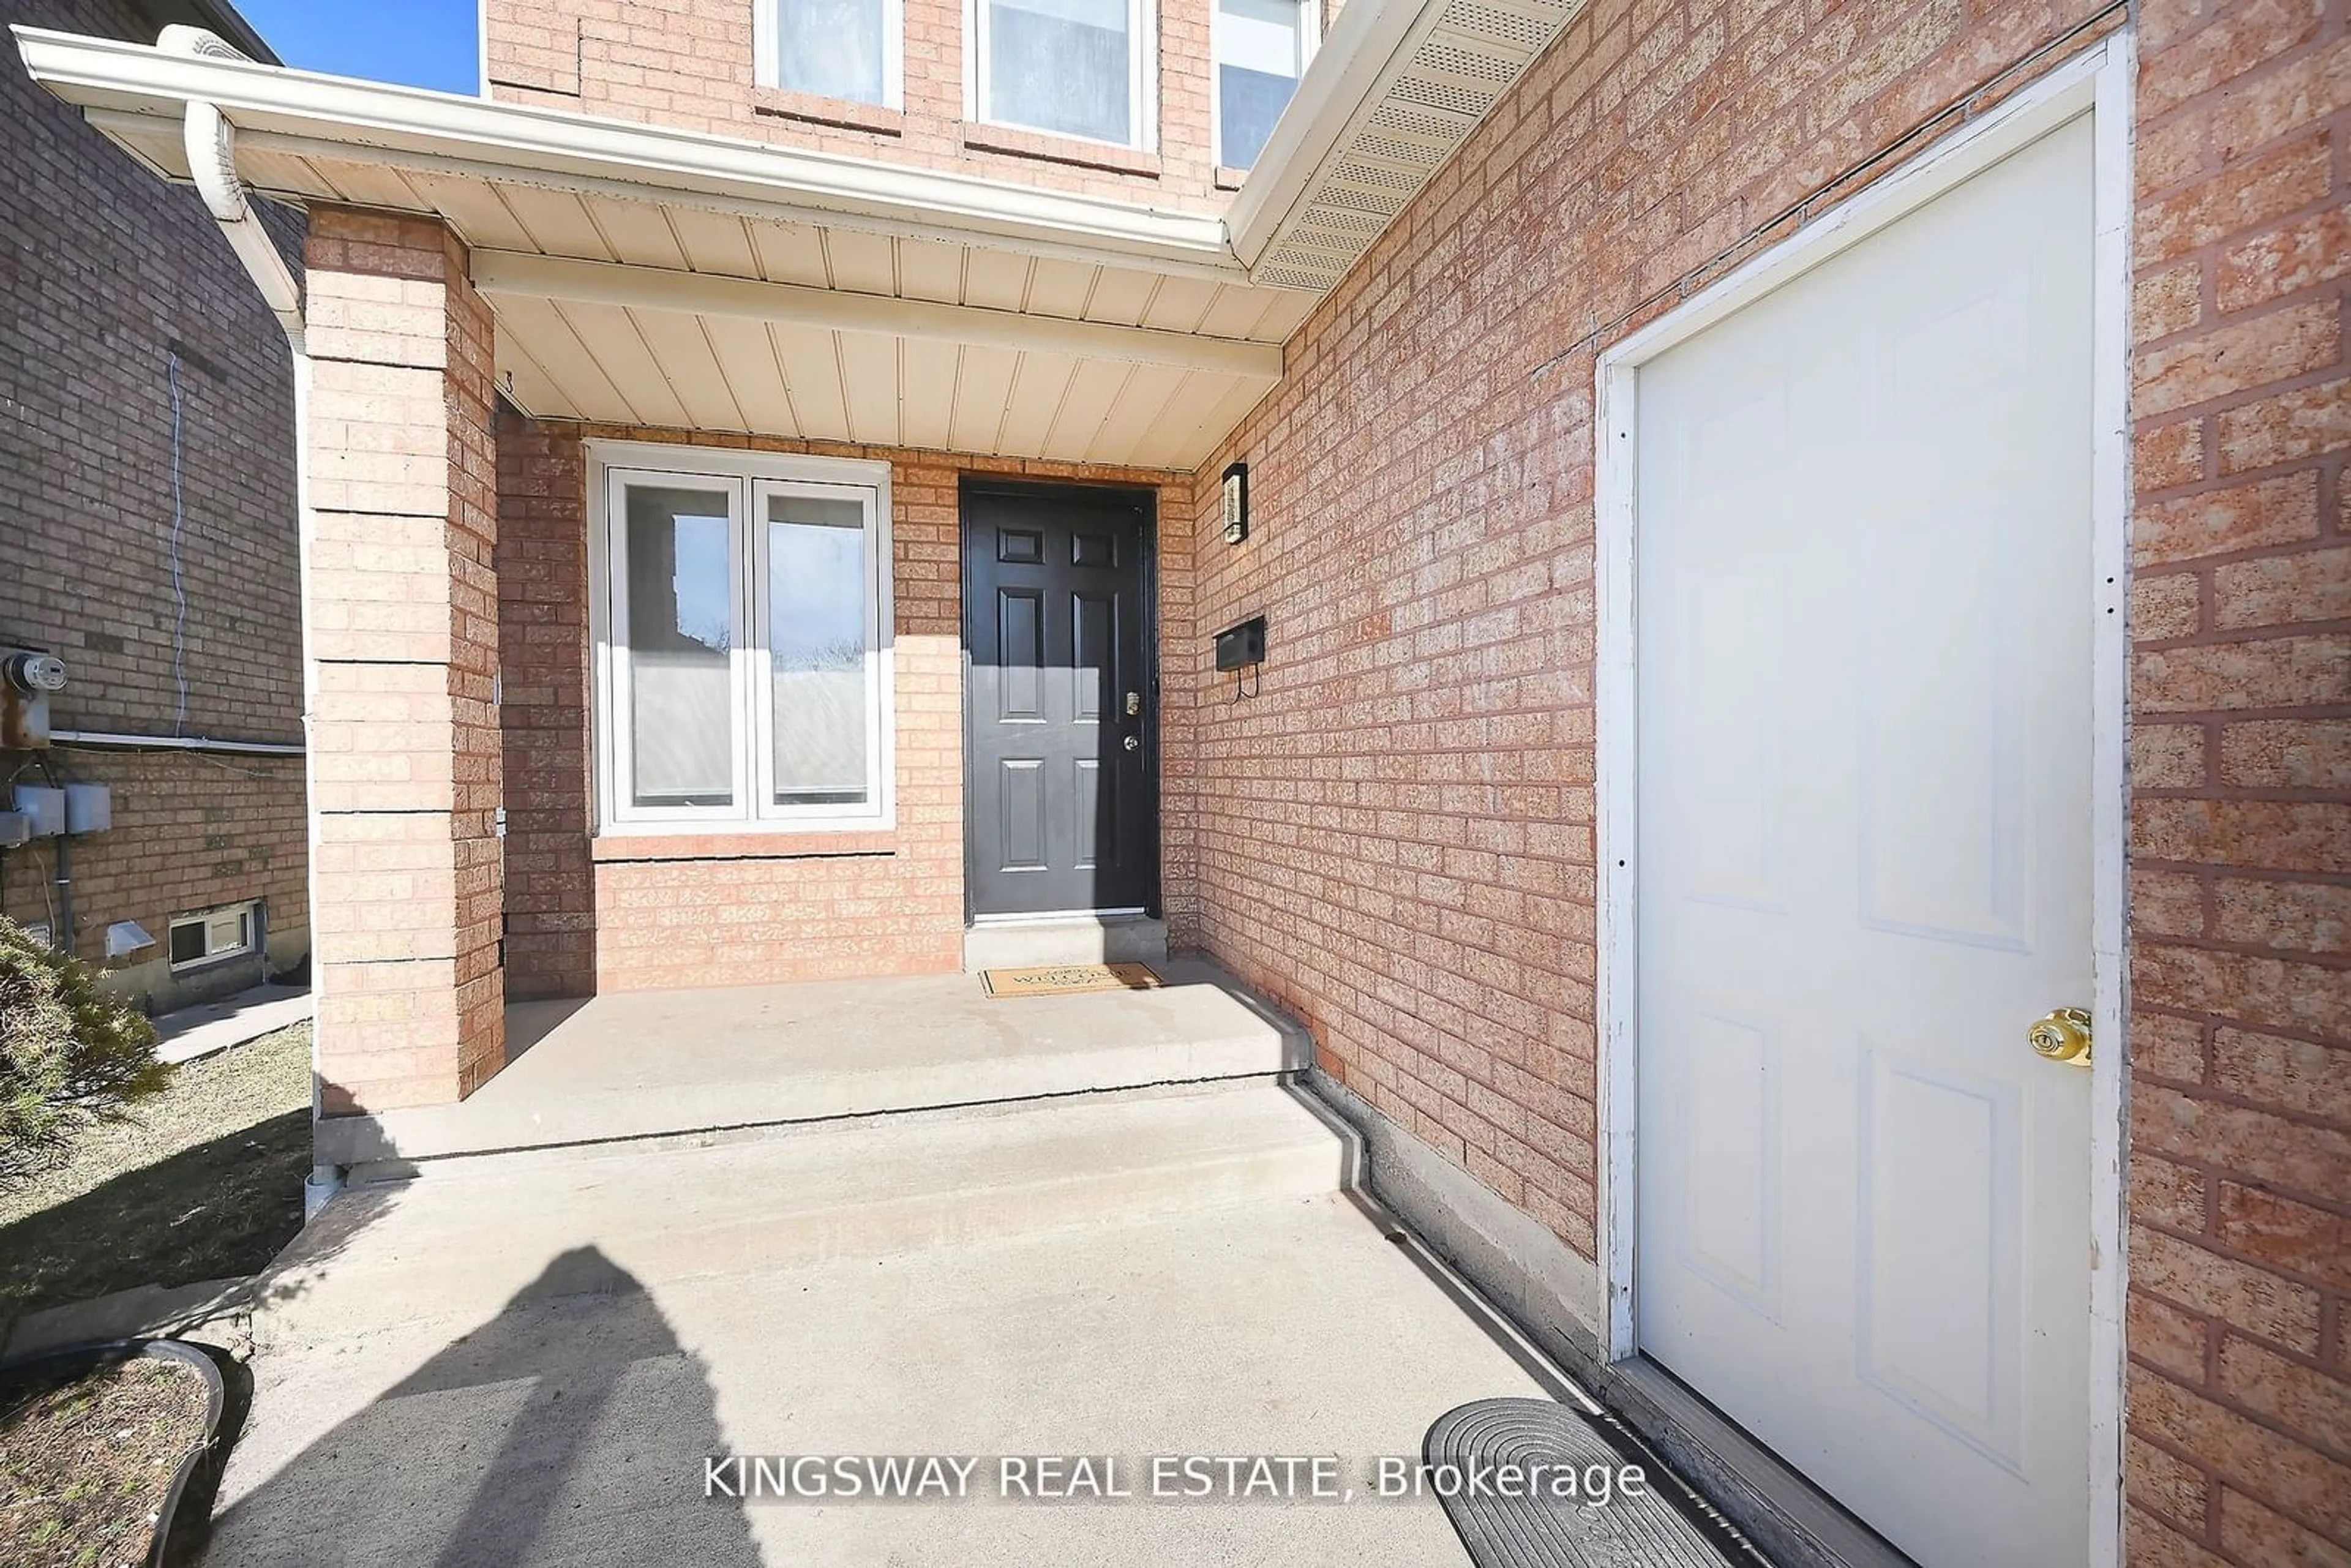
(745, 681)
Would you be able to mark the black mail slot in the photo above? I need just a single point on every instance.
(1242, 646)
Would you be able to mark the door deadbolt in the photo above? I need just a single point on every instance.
(1134, 704)
(2063, 1036)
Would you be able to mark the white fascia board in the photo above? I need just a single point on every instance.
(375, 123)
(1349, 63)
(509, 273)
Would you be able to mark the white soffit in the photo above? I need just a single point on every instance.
(703, 284)
(964, 357)
(621, 310)
(1395, 90)
(634, 366)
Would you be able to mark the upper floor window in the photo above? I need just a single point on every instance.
(1262, 47)
(1076, 68)
(848, 49)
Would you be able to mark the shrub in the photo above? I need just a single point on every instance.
(69, 1054)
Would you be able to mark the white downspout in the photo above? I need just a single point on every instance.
(210, 141)
(211, 144)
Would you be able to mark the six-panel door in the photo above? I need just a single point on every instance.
(1061, 818)
(1863, 604)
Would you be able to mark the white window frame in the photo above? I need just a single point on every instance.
(1141, 77)
(768, 43)
(248, 913)
(763, 668)
(748, 477)
(621, 696)
(1310, 39)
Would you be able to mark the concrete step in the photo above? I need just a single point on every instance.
(649, 1064)
(1065, 939)
(472, 1235)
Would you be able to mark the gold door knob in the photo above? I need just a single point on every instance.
(2063, 1036)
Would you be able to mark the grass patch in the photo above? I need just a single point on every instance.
(86, 1464)
(202, 1182)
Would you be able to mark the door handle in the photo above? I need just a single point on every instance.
(2063, 1036)
(1132, 743)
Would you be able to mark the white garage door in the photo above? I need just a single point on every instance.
(1864, 603)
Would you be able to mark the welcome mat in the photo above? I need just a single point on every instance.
(1578, 1512)
(1068, 979)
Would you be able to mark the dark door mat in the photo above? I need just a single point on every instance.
(1663, 1525)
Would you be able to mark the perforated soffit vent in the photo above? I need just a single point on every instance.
(1454, 64)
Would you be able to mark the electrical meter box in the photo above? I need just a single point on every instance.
(44, 806)
(90, 808)
(27, 676)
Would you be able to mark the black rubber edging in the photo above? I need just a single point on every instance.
(74, 1360)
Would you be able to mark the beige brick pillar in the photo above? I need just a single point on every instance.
(403, 612)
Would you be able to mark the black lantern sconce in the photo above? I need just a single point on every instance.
(1236, 503)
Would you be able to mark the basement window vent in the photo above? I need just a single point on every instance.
(214, 937)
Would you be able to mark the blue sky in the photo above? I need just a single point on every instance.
(423, 43)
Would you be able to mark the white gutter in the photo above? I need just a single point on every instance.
(377, 123)
(131, 90)
(1353, 58)
(211, 143)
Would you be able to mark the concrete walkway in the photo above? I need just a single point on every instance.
(210, 1027)
(527, 1359)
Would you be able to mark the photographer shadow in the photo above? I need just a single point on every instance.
(569, 1431)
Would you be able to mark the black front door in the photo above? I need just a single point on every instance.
(1060, 702)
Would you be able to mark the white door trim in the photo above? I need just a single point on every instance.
(2097, 81)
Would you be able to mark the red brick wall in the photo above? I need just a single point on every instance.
(192, 831)
(108, 274)
(1418, 776)
(731, 909)
(690, 63)
(2240, 683)
(542, 567)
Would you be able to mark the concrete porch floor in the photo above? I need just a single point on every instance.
(652, 1064)
(1114, 1227)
